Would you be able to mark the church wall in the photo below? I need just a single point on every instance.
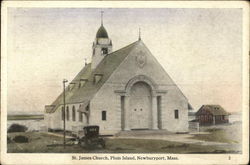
(107, 99)
(55, 119)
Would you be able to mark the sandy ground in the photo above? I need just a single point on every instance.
(232, 131)
(138, 142)
(184, 138)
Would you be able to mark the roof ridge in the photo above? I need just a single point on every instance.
(122, 48)
(82, 70)
(74, 79)
(89, 85)
(103, 61)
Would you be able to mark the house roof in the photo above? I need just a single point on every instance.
(213, 109)
(76, 94)
(191, 113)
(190, 107)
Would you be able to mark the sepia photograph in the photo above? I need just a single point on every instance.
(124, 83)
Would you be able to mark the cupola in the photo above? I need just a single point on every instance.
(102, 45)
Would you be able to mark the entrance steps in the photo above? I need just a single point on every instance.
(143, 133)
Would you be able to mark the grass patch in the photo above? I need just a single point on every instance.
(161, 146)
(43, 143)
(25, 117)
(216, 135)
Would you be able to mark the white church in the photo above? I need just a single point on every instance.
(122, 90)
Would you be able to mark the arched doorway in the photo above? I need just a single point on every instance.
(140, 106)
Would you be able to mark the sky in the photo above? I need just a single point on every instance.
(201, 50)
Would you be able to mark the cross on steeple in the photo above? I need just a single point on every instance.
(139, 34)
(85, 59)
(102, 17)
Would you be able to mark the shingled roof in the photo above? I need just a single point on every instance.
(76, 94)
(213, 109)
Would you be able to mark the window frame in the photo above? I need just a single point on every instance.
(104, 51)
(104, 115)
(80, 115)
(73, 113)
(176, 114)
(62, 113)
(67, 113)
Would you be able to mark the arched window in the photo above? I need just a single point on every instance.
(73, 113)
(104, 51)
(67, 112)
(62, 113)
(80, 117)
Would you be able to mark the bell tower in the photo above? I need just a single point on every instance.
(101, 46)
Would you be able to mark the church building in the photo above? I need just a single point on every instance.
(126, 89)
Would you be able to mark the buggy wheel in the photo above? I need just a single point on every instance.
(103, 144)
(87, 143)
(81, 143)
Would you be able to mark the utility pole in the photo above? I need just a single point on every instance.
(64, 116)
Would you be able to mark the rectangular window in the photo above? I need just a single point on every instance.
(176, 114)
(104, 117)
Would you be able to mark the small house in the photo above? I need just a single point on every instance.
(211, 115)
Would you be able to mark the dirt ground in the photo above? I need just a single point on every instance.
(210, 140)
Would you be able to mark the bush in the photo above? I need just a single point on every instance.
(17, 128)
(213, 129)
(55, 130)
(21, 139)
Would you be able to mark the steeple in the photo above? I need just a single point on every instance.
(101, 46)
(102, 33)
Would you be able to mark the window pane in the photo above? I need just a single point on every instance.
(67, 112)
(73, 113)
(176, 114)
(62, 113)
(103, 115)
(104, 50)
(80, 116)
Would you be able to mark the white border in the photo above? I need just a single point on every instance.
(183, 158)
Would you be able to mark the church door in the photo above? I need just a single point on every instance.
(140, 106)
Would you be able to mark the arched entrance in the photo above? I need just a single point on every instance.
(140, 106)
(140, 103)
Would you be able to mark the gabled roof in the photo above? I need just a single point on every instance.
(213, 109)
(190, 107)
(105, 68)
